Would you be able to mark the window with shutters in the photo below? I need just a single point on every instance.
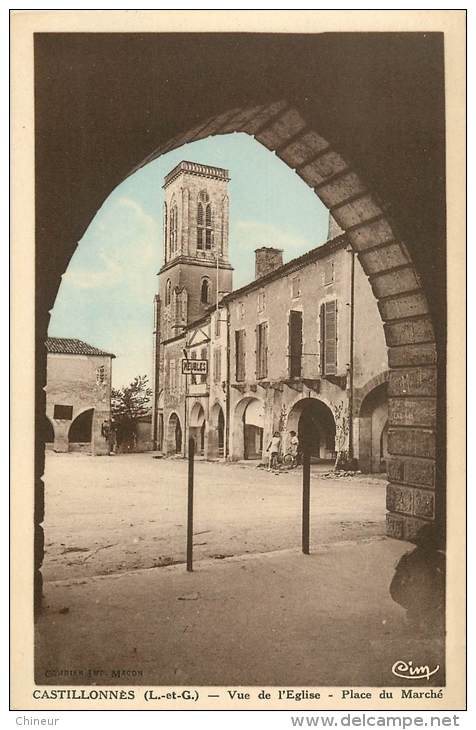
(295, 344)
(296, 287)
(328, 272)
(262, 350)
(261, 301)
(203, 356)
(193, 377)
(328, 317)
(240, 338)
(217, 365)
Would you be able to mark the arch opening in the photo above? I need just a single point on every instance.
(174, 435)
(197, 428)
(315, 425)
(48, 433)
(216, 433)
(248, 429)
(373, 429)
(80, 431)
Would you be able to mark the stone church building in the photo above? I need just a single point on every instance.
(301, 347)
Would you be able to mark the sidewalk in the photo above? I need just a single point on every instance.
(277, 618)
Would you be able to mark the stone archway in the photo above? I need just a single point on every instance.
(393, 213)
(197, 427)
(373, 428)
(49, 432)
(315, 425)
(81, 430)
(174, 434)
(248, 429)
(385, 259)
(216, 433)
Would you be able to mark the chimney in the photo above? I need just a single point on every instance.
(267, 259)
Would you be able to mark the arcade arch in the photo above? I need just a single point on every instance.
(197, 427)
(80, 430)
(373, 428)
(248, 428)
(371, 232)
(216, 432)
(315, 425)
(174, 435)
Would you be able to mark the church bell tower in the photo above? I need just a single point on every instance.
(196, 211)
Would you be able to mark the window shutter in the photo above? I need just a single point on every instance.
(295, 344)
(330, 348)
(265, 350)
(321, 339)
(240, 354)
(257, 351)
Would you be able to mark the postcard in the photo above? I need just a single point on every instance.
(238, 252)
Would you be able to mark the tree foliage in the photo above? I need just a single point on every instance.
(130, 403)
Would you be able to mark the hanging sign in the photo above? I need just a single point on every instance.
(194, 367)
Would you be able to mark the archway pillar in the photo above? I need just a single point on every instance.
(412, 493)
(100, 444)
(61, 443)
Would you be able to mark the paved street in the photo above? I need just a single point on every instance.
(112, 514)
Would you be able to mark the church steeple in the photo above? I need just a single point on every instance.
(196, 221)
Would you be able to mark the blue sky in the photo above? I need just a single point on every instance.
(106, 295)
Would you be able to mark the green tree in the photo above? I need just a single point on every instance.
(128, 404)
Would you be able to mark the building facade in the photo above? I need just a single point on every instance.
(78, 397)
(299, 348)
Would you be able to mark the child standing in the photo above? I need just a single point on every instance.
(273, 450)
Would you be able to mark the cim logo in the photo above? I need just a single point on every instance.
(406, 670)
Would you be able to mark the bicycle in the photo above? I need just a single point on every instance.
(290, 460)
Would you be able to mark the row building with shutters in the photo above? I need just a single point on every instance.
(301, 347)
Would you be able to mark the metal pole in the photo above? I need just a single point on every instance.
(191, 453)
(306, 492)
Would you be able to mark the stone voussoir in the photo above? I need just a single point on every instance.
(412, 442)
(282, 129)
(302, 149)
(378, 260)
(326, 165)
(409, 331)
(412, 412)
(357, 211)
(254, 124)
(411, 471)
(420, 381)
(373, 234)
(409, 305)
(339, 190)
(394, 282)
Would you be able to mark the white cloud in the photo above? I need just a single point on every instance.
(252, 234)
(110, 275)
(146, 228)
